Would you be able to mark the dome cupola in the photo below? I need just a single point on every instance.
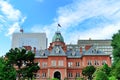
(57, 37)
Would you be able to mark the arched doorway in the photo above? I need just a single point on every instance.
(57, 75)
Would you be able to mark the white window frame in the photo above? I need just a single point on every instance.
(70, 74)
(77, 64)
(44, 64)
(89, 62)
(53, 63)
(77, 74)
(60, 63)
(43, 74)
(104, 62)
(70, 64)
(95, 62)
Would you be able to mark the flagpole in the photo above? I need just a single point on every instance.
(58, 26)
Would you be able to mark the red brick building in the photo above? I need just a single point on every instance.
(58, 62)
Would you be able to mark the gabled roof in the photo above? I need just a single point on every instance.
(73, 54)
(42, 54)
(57, 51)
(94, 51)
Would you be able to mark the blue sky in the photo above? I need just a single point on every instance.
(80, 19)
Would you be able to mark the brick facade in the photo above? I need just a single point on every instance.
(70, 68)
(69, 63)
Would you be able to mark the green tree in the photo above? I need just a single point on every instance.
(117, 70)
(7, 72)
(88, 71)
(54, 79)
(106, 69)
(24, 60)
(112, 78)
(116, 55)
(116, 47)
(100, 75)
(78, 78)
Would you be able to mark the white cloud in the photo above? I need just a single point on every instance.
(77, 12)
(12, 29)
(71, 15)
(104, 32)
(11, 18)
(9, 11)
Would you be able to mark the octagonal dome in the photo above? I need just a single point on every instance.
(57, 37)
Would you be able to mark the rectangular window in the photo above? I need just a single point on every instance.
(89, 62)
(70, 74)
(77, 74)
(53, 63)
(43, 74)
(37, 76)
(44, 64)
(104, 62)
(77, 64)
(60, 63)
(39, 64)
(70, 64)
(96, 62)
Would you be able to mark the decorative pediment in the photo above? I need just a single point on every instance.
(57, 50)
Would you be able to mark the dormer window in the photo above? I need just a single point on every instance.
(73, 53)
(42, 53)
(57, 50)
(57, 39)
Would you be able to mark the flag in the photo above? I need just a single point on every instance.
(59, 25)
(21, 30)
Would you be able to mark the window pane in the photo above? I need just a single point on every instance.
(53, 63)
(60, 63)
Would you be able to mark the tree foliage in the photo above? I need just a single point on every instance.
(117, 70)
(79, 78)
(88, 71)
(54, 79)
(100, 75)
(112, 78)
(116, 55)
(7, 72)
(116, 47)
(106, 69)
(24, 60)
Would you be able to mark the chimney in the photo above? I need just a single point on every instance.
(81, 50)
(87, 47)
(34, 49)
